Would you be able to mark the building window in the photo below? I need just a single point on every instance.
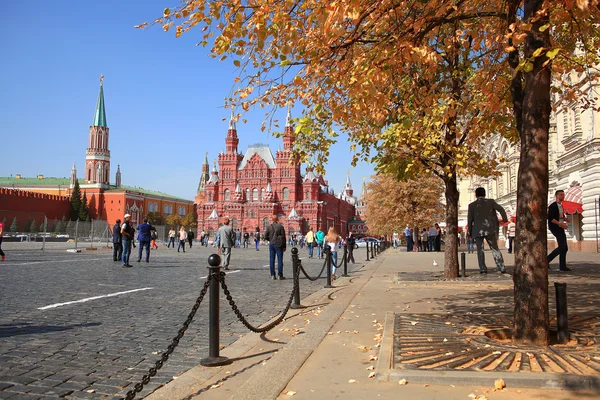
(286, 194)
(210, 197)
(255, 194)
(265, 223)
(248, 195)
(166, 209)
(227, 195)
(262, 194)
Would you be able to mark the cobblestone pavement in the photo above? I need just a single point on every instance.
(100, 347)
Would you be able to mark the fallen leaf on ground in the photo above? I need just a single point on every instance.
(291, 393)
(472, 395)
(330, 333)
(445, 340)
(91, 391)
(372, 358)
(364, 348)
(217, 385)
(371, 374)
(352, 381)
(355, 332)
(403, 382)
(370, 368)
(499, 384)
(413, 323)
(497, 352)
(426, 385)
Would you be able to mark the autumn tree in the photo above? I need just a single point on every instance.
(347, 61)
(394, 204)
(155, 218)
(174, 220)
(190, 220)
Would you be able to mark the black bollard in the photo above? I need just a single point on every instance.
(463, 264)
(328, 266)
(345, 260)
(367, 243)
(562, 318)
(213, 359)
(295, 265)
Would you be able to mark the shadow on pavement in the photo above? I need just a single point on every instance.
(8, 330)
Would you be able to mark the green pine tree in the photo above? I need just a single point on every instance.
(83, 209)
(54, 226)
(27, 226)
(14, 227)
(33, 226)
(75, 201)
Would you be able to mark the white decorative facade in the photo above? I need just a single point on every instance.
(574, 166)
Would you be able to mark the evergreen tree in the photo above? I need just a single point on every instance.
(75, 201)
(54, 226)
(83, 208)
(68, 227)
(27, 226)
(33, 226)
(14, 227)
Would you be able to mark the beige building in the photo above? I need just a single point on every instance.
(574, 166)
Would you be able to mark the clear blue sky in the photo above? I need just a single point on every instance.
(164, 96)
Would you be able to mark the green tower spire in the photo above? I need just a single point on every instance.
(100, 114)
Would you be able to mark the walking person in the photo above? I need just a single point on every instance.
(557, 225)
(511, 232)
(310, 241)
(424, 240)
(257, 237)
(127, 239)
(182, 238)
(438, 238)
(238, 238)
(332, 239)
(171, 238)
(431, 235)
(408, 237)
(144, 237)
(117, 241)
(395, 239)
(275, 235)
(350, 243)
(482, 223)
(154, 236)
(246, 237)
(1, 233)
(320, 237)
(190, 237)
(227, 240)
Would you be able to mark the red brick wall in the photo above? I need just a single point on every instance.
(26, 206)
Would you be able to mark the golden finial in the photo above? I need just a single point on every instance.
(101, 79)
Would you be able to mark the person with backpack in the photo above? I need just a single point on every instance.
(320, 236)
(190, 237)
(275, 235)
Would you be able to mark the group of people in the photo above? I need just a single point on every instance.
(417, 239)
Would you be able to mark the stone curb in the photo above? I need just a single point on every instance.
(385, 372)
(286, 362)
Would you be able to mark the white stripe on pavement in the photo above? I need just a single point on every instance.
(226, 273)
(92, 298)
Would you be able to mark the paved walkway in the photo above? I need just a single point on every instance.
(330, 349)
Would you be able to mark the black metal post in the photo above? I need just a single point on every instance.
(562, 318)
(367, 243)
(295, 265)
(214, 359)
(328, 266)
(345, 260)
(463, 264)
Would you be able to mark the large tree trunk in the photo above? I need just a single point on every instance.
(531, 325)
(451, 242)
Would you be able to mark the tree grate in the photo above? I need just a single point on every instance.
(441, 342)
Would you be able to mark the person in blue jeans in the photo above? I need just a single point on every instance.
(275, 235)
(144, 237)
(127, 237)
(320, 236)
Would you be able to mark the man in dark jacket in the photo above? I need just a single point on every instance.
(144, 236)
(117, 241)
(557, 225)
(482, 223)
(350, 243)
(191, 236)
(275, 235)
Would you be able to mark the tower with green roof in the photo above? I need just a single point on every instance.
(97, 157)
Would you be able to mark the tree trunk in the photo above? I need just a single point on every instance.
(531, 320)
(451, 241)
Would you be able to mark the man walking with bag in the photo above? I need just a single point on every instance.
(275, 235)
(225, 241)
(117, 241)
(482, 223)
(557, 225)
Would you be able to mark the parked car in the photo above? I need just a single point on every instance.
(363, 242)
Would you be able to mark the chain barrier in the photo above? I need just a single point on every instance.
(340, 264)
(165, 356)
(241, 317)
(308, 276)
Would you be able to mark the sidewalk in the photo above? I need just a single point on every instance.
(331, 349)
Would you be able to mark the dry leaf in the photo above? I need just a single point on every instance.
(371, 368)
(372, 358)
(91, 391)
(472, 395)
(330, 333)
(355, 332)
(497, 352)
(499, 384)
(402, 382)
(352, 381)
(371, 374)
(413, 323)
(364, 348)
(217, 385)
(291, 393)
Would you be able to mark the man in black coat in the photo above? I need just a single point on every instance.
(117, 241)
(557, 225)
(275, 235)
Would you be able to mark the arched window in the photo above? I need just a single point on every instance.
(286, 194)
(210, 197)
(227, 195)
(248, 195)
(262, 194)
(255, 194)
(166, 209)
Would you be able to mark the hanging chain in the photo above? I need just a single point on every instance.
(306, 274)
(241, 317)
(165, 356)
